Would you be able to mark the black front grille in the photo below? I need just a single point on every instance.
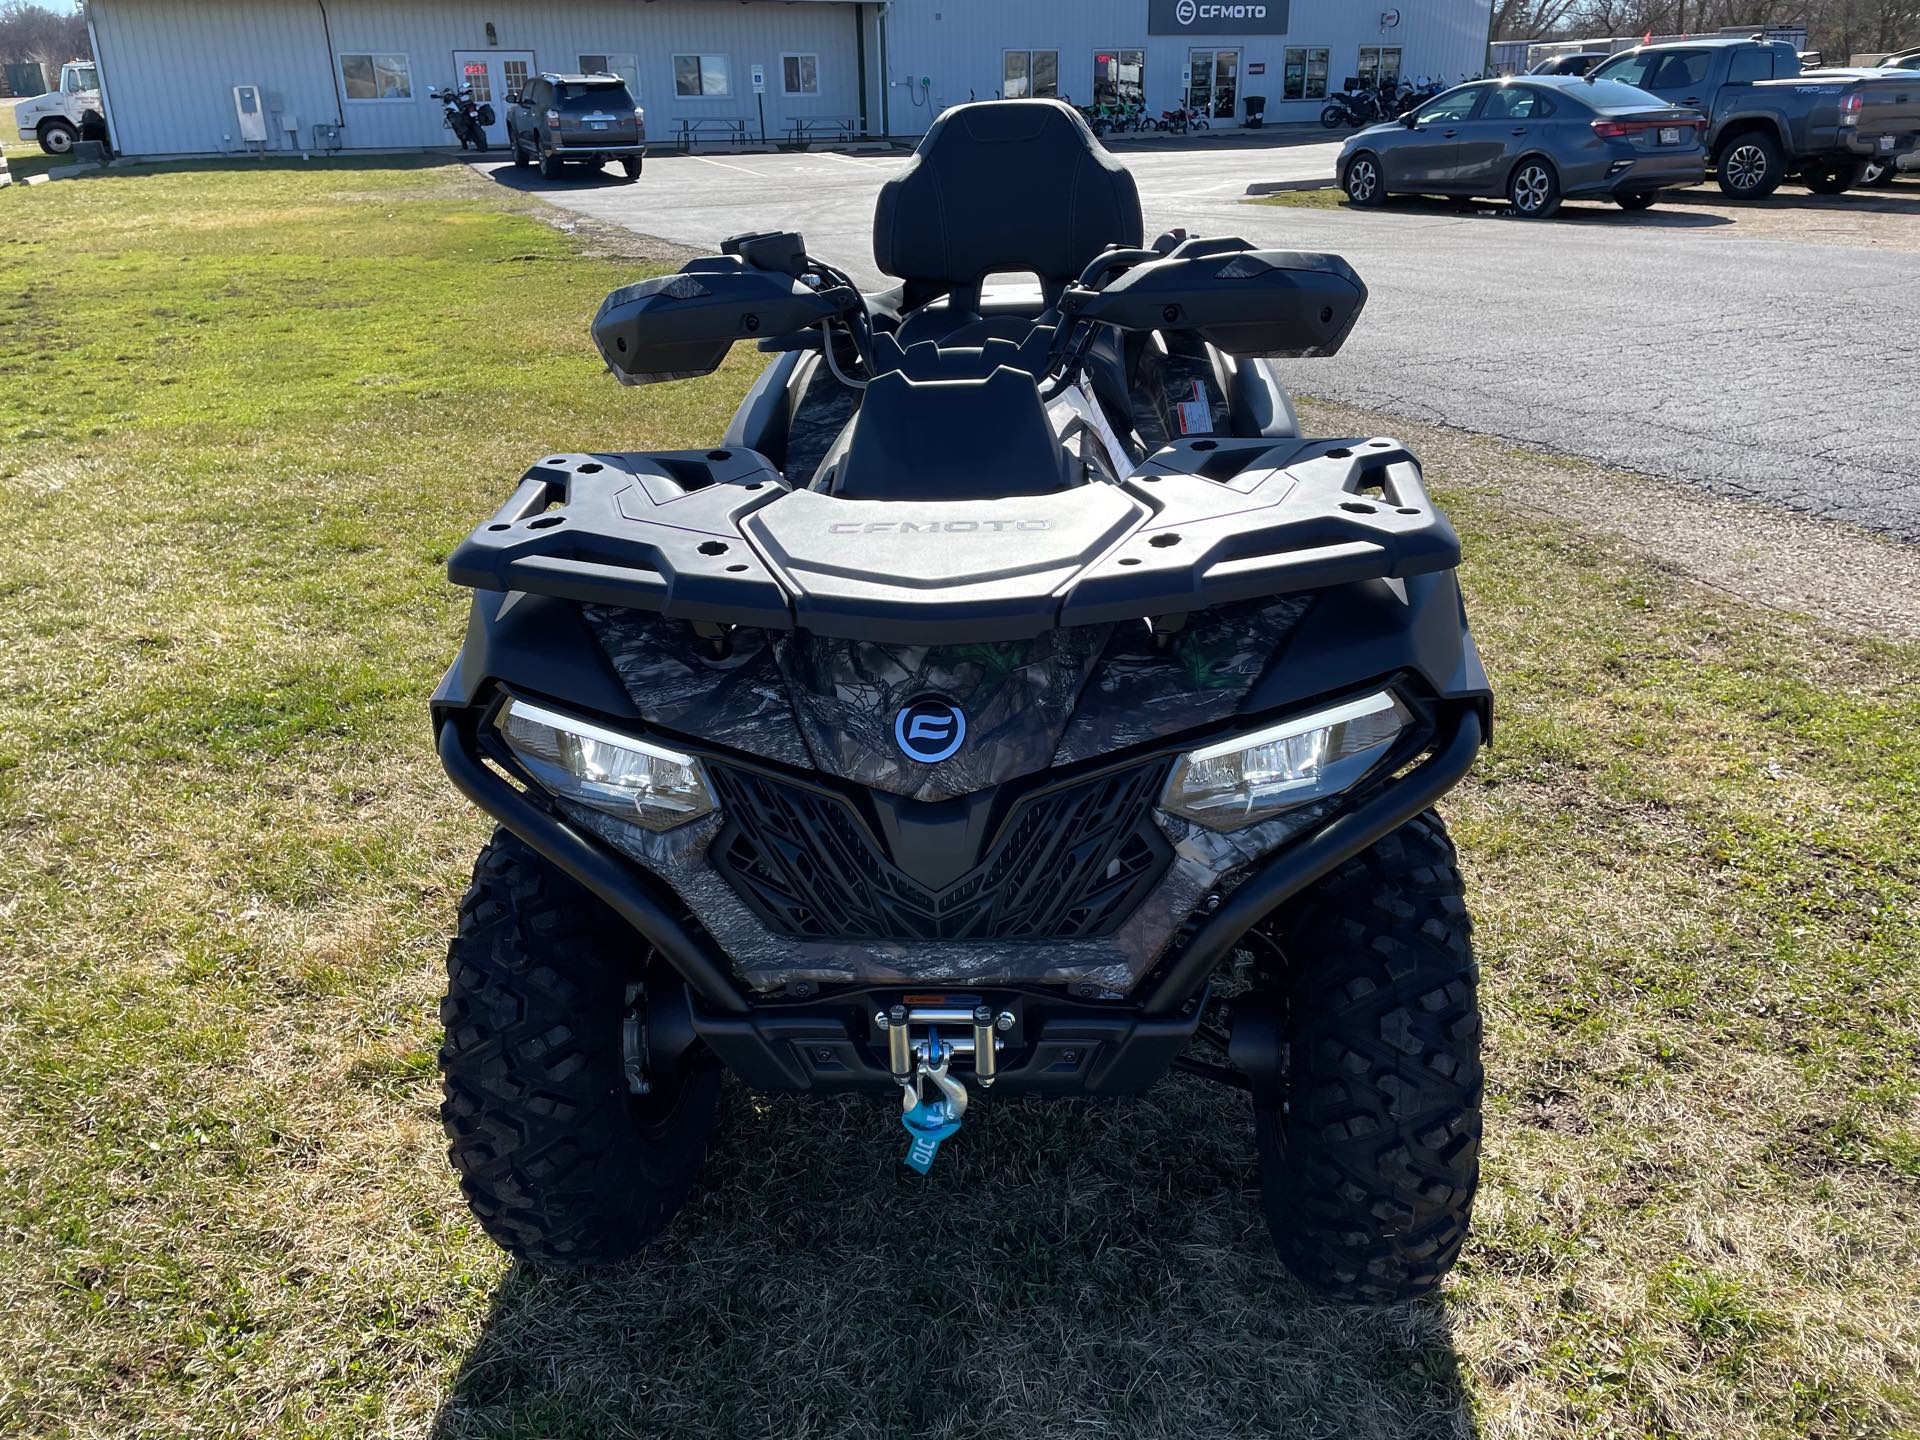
(1067, 862)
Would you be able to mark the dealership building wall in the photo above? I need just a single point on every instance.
(365, 66)
(958, 50)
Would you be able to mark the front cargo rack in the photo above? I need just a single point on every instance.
(718, 536)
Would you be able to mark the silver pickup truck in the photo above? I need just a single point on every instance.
(1768, 120)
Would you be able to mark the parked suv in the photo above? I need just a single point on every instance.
(589, 119)
(1769, 120)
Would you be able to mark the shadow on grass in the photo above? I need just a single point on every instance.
(1069, 1268)
(251, 164)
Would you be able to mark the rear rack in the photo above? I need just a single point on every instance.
(717, 536)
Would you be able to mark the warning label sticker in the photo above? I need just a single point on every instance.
(1196, 415)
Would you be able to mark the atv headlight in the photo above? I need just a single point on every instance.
(578, 760)
(1252, 777)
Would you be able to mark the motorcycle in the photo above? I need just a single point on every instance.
(463, 116)
(1413, 97)
(1353, 108)
(1100, 118)
(1182, 120)
(990, 688)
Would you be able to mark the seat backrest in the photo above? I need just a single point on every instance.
(1003, 186)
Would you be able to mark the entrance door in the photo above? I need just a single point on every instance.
(1213, 82)
(494, 75)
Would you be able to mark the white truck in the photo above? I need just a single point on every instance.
(68, 113)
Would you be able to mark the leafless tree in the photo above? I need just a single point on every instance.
(1836, 28)
(33, 32)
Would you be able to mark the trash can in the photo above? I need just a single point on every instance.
(1256, 109)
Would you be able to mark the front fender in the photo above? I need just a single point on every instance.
(533, 643)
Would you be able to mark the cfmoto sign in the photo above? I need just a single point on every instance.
(1216, 17)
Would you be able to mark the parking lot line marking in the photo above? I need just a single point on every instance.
(863, 162)
(725, 166)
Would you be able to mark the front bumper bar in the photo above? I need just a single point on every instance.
(1084, 1048)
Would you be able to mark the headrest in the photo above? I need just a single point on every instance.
(1004, 186)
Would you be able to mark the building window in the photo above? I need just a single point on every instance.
(515, 73)
(1379, 65)
(1118, 77)
(701, 76)
(1306, 75)
(376, 77)
(800, 74)
(1031, 74)
(476, 76)
(627, 67)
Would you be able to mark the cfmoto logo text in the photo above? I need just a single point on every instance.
(929, 729)
(936, 527)
(1187, 11)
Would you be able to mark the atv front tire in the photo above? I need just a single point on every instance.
(561, 1164)
(1368, 1169)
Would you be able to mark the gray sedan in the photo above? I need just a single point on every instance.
(1535, 139)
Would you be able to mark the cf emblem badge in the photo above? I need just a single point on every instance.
(929, 729)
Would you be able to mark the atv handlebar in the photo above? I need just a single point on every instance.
(1246, 302)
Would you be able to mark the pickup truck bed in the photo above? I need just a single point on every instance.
(1768, 120)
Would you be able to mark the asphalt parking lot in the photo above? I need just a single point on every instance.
(1758, 353)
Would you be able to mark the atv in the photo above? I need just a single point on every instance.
(1011, 702)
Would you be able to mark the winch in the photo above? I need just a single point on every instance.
(918, 1055)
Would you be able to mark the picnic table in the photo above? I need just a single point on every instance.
(804, 128)
(731, 129)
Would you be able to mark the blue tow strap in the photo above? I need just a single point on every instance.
(928, 1123)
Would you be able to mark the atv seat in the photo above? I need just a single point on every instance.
(1018, 193)
(998, 187)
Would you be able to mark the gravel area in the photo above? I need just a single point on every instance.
(1835, 574)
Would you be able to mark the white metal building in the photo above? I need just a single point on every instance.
(171, 67)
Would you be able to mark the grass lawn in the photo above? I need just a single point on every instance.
(1327, 197)
(245, 413)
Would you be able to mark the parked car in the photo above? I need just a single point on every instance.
(69, 112)
(580, 119)
(1768, 121)
(1578, 63)
(1535, 139)
(1884, 170)
(1880, 173)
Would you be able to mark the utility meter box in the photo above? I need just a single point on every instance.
(250, 108)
